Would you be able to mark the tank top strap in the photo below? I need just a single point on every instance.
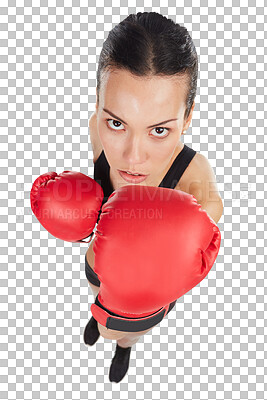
(177, 168)
(101, 175)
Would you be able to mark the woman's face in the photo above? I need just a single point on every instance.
(130, 116)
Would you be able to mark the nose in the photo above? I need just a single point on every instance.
(134, 152)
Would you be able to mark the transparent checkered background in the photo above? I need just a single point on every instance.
(212, 344)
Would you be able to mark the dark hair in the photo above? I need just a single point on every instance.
(146, 44)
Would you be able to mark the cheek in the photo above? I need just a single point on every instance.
(113, 150)
(163, 152)
(112, 145)
(110, 140)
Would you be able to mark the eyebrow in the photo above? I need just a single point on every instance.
(150, 126)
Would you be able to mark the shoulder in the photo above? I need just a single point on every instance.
(201, 167)
(199, 179)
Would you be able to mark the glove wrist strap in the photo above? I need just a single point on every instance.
(120, 323)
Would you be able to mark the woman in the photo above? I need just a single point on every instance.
(146, 86)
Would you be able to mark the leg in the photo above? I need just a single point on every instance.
(109, 333)
(132, 338)
(120, 362)
(127, 341)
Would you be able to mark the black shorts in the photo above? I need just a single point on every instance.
(93, 278)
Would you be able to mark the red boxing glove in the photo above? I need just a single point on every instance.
(152, 246)
(67, 205)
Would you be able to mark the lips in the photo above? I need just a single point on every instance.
(133, 173)
(132, 178)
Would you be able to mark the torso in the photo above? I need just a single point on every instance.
(189, 175)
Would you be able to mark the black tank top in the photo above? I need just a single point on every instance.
(170, 180)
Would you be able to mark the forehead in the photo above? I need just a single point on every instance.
(120, 86)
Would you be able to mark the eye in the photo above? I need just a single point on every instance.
(115, 124)
(160, 134)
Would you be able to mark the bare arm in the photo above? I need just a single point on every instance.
(204, 188)
(214, 208)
